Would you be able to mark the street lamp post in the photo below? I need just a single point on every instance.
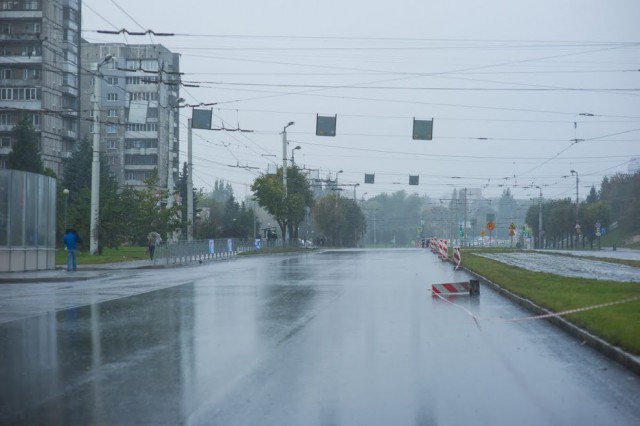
(190, 180)
(293, 163)
(577, 207)
(66, 202)
(337, 187)
(95, 165)
(284, 171)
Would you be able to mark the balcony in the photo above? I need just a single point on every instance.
(69, 90)
(19, 59)
(21, 14)
(19, 37)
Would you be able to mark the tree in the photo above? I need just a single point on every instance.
(299, 196)
(221, 191)
(286, 207)
(181, 187)
(146, 211)
(593, 195)
(77, 179)
(329, 218)
(25, 153)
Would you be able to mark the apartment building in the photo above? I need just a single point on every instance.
(39, 68)
(137, 106)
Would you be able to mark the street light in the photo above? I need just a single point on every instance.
(577, 207)
(337, 187)
(66, 202)
(284, 170)
(95, 165)
(284, 155)
(292, 158)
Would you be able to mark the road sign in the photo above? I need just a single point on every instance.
(491, 226)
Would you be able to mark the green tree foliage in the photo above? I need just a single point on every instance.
(299, 197)
(559, 220)
(181, 187)
(593, 196)
(621, 193)
(340, 220)
(77, 179)
(25, 153)
(146, 210)
(221, 191)
(287, 208)
(397, 217)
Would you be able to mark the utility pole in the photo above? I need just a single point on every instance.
(95, 165)
(189, 182)
(465, 216)
(577, 208)
(284, 171)
(540, 232)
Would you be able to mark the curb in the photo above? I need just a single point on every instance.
(622, 357)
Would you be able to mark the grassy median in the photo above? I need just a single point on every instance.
(618, 324)
(122, 254)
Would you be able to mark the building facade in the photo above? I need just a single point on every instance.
(137, 106)
(39, 69)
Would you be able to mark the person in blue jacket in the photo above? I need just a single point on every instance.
(71, 240)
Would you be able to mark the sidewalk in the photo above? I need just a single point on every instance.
(84, 272)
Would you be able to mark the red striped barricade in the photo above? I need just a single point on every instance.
(457, 257)
(444, 249)
(471, 288)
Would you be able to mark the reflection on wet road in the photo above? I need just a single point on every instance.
(333, 338)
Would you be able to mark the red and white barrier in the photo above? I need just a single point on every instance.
(471, 288)
(450, 288)
(457, 258)
(444, 249)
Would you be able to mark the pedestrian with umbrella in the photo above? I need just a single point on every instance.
(153, 239)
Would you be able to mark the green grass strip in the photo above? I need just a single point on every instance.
(618, 324)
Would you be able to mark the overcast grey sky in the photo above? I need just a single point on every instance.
(510, 85)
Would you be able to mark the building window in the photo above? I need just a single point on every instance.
(140, 160)
(31, 74)
(112, 128)
(5, 142)
(112, 112)
(31, 5)
(32, 28)
(112, 81)
(5, 74)
(35, 120)
(112, 144)
(5, 119)
(112, 97)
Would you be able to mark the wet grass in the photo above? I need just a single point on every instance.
(618, 324)
(122, 254)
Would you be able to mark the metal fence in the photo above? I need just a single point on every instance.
(200, 250)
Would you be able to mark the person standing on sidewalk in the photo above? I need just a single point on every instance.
(153, 238)
(71, 240)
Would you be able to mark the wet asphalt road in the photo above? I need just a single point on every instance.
(333, 338)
